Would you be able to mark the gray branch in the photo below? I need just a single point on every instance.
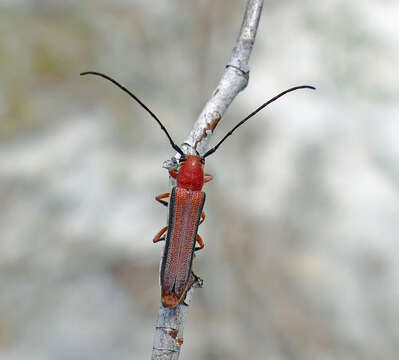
(168, 336)
(234, 79)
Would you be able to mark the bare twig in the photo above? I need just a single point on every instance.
(234, 79)
(168, 336)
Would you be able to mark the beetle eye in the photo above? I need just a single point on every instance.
(202, 160)
(183, 158)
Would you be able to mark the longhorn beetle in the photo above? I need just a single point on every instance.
(185, 208)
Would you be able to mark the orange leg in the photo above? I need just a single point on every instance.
(202, 218)
(162, 196)
(200, 243)
(208, 177)
(173, 173)
(158, 236)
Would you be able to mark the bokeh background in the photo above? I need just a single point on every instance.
(302, 254)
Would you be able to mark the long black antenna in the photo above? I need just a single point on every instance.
(211, 151)
(174, 146)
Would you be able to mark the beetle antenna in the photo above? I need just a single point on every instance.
(174, 146)
(211, 151)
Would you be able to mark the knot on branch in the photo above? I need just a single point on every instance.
(244, 72)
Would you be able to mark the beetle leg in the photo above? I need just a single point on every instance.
(193, 280)
(162, 196)
(158, 236)
(200, 243)
(208, 177)
(173, 173)
(202, 217)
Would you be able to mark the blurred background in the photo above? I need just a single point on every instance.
(301, 258)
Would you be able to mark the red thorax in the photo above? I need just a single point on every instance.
(191, 174)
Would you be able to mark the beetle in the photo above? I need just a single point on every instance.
(185, 208)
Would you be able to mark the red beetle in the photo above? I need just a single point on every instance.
(185, 214)
(185, 209)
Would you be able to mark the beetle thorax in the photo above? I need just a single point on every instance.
(191, 173)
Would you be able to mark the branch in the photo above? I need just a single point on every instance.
(234, 79)
(168, 336)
